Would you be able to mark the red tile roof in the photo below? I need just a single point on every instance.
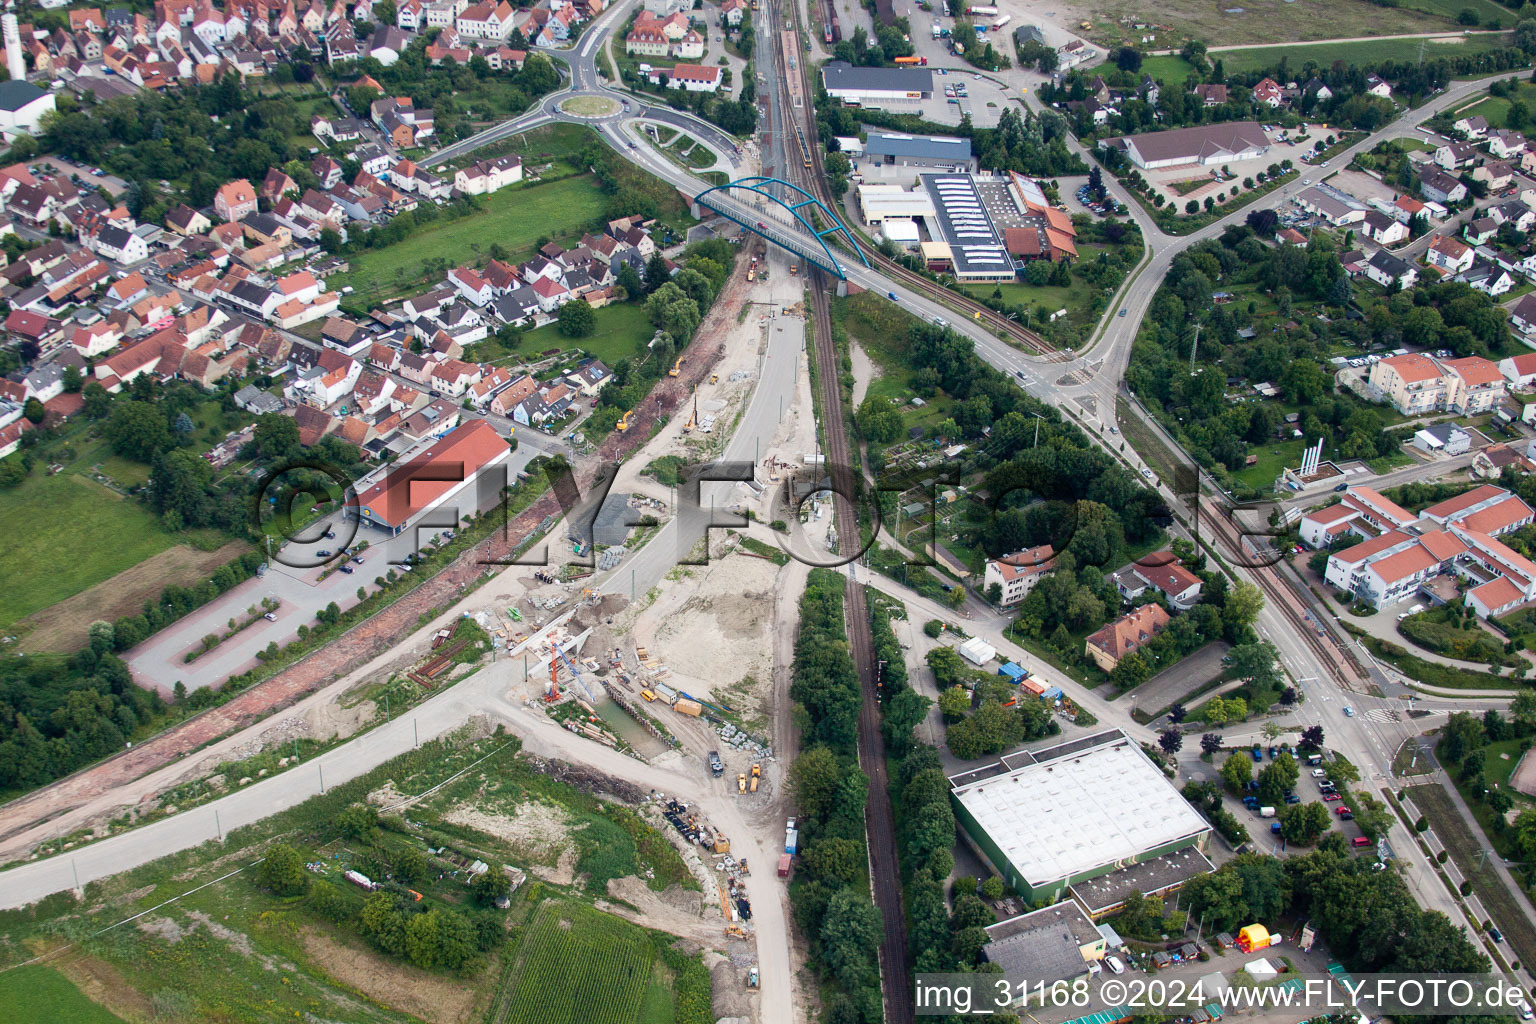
(396, 497)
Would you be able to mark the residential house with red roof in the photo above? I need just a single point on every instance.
(1127, 634)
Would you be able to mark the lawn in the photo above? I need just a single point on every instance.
(37, 993)
(1074, 298)
(1373, 52)
(622, 332)
(1272, 459)
(1170, 70)
(1496, 108)
(64, 533)
(580, 966)
(514, 217)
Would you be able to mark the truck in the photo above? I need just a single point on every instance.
(716, 766)
(784, 861)
(1266, 812)
(938, 30)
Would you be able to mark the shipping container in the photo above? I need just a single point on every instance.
(685, 706)
(784, 861)
(791, 840)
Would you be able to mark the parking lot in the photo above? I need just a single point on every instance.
(160, 662)
(984, 101)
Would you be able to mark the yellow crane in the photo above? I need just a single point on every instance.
(693, 417)
(623, 423)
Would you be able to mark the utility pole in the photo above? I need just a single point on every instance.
(1194, 348)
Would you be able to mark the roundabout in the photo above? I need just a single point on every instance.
(590, 107)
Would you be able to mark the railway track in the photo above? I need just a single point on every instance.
(1281, 595)
(879, 818)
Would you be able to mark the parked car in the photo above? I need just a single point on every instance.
(270, 616)
(348, 569)
(1330, 797)
(324, 552)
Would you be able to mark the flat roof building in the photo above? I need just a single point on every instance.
(933, 152)
(976, 245)
(1050, 819)
(1048, 945)
(877, 87)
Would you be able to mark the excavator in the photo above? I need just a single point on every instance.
(623, 423)
(693, 418)
(675, 367)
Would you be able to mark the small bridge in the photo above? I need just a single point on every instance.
(741, 201)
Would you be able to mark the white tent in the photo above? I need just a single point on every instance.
(977, 651)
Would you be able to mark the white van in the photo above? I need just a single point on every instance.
(1114, 964)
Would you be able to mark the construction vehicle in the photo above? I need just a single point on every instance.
(757, 773)
(675, 367)
(794, 268)
(716, 766)
(752, 978)
(693, 417)
(735, 931)
(554, 677)
(714, 378)
(741, 782)
(623, 423)
(752, 272)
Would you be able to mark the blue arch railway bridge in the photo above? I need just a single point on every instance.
(786, 215)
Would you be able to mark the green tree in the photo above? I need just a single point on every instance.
(850, 939)
(33, 410)
(137, 430)
(360, 821)
(954, 703)
(1241, 611)
(1304, 823)
(489, 886)
(1258, 662)
(839, 860)
(814, 779)
(1236, 771)
(282, 871)
(382, 922)
(577, 319)
(329, 902)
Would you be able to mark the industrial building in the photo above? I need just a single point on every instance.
(887, 153)
(1206, 144)
(884, 88)
(1081, 816)
(1052, 944)
(976, 246)
(437, 475)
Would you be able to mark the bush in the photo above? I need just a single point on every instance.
(934, 628)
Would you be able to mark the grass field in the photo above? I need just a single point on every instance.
(65, 533)
(1272, 459)
(1237, 61)
(1170, 70)
(1269, 21)
(514, 217)
(579, 966)
(1486, 10)
(622, 332)
(1495, 108)
(38, 993)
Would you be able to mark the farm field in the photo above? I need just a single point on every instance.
(515, 218)
(622, 332)
(37, 993)
(1264, 21)
(579, 966)
(1324, 54)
